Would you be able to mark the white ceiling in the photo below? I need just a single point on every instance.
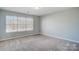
(32, 11)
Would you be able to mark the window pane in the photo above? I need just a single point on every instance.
(21, 23)
(11, 23)
(7, 19)
(21, 20)
(20, 27)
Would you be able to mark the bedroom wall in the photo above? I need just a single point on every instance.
(4, 35)
(64, 24)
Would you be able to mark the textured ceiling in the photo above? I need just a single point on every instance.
(32, 11)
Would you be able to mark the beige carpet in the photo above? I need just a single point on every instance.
(38, 43)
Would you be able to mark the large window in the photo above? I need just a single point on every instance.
(11, 23)
(17, 23)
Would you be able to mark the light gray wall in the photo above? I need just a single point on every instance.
(3, 33)
(63, 24)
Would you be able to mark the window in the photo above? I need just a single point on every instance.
(21, 24)
(15, 24)
(11, 23)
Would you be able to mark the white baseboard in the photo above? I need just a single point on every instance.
(60, 37)
(16, 37)
(42, 34)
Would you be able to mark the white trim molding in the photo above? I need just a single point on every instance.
(16, 37)
(60, 37)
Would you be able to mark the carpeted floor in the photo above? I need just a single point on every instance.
(38, 43)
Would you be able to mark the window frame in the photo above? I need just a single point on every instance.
(25, 25)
